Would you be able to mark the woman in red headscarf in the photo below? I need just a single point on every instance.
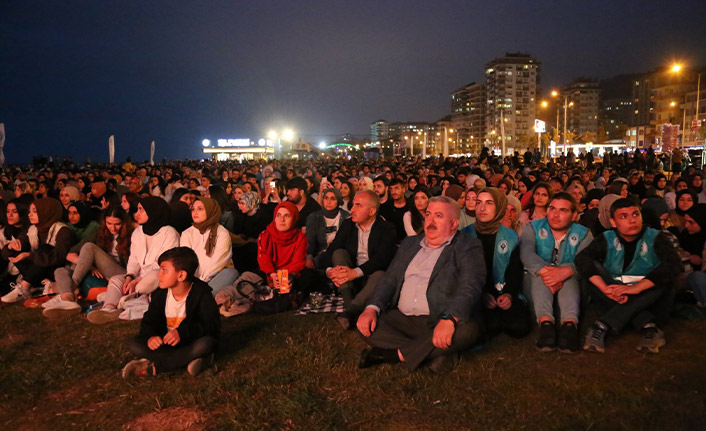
(282, 245)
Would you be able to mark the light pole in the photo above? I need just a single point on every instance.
(272, 135)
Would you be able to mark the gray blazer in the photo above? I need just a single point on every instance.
(456, 282)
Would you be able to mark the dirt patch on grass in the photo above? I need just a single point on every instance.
(171, 419)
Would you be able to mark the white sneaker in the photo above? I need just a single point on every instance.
(50, 303)
(17, 294)
(61, 308)
(48, 287)
(101, 297)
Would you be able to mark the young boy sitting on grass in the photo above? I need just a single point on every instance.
(182, 325)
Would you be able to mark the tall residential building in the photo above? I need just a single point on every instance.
(614, 118)
(511, 89)
(468, 117)
(659, 97)
(379, 131)
(582, 113)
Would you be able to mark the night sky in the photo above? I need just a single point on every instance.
(74, 72)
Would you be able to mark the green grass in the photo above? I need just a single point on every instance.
(299, 373)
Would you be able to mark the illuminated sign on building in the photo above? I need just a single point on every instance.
(233, 142)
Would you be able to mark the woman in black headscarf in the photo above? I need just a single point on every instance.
(684, 201)
(153, 237)
(693, 237)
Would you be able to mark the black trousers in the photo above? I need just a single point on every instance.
(169, 358)
(413, 337)
(34, 274)
(515, 321)
(649, 306)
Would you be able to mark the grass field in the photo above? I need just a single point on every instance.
(290, 372)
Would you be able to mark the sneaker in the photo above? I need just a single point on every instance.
(47, 287)
(595, 338)
(568, 338)
(100, 316)
(17, 294)
(198, 365)
(51, 301)
(652, 339)
(61, 309)
(138, 368)
(547, 337)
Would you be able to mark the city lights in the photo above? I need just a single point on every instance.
(206, 142)
(287, 134)
(322, 145)
(676, 68)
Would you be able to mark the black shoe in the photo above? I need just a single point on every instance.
(547, 337)
(371, 357)
(444, 364)
(568, 338)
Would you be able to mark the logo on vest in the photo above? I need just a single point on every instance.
(574, 239)
(543, 234)
(616, 243)
(643, 249)
(503, 247)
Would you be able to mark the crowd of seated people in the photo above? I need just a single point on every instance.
(430, 257)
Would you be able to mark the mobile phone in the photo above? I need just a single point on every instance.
(273, 184)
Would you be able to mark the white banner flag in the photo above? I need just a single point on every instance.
(111, 149)
(2, 144)
(152, 154)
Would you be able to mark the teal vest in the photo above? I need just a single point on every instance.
(644, 260)
(505, 242)
(545, 240)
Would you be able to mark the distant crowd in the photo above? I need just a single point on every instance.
(431, 257)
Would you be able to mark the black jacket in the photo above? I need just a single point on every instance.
(202, 316)
(382, 245)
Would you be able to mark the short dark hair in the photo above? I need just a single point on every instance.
(183, 259)
(298, 183)
(620, 204)
(565, 197)
(397, 182)
(382, 178)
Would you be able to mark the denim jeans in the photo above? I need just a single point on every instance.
(226, 277)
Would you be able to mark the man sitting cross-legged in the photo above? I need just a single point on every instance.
(425, 306)
(548, 248)
(359, 254)
(631, 269)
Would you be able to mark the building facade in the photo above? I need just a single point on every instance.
(511, 90)
(468, 118)
(582, 113)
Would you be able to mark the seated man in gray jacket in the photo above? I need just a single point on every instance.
(548, 248)
(426, 304)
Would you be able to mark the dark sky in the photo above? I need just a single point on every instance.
(74, 72)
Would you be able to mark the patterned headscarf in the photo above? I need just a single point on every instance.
(251, 201)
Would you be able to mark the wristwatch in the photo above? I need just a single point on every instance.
(446, 316)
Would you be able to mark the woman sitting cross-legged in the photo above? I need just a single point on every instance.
(211, 242)
(283, 246)
(105, 259)
(148, 242)
(39, 251)
(17, 223)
